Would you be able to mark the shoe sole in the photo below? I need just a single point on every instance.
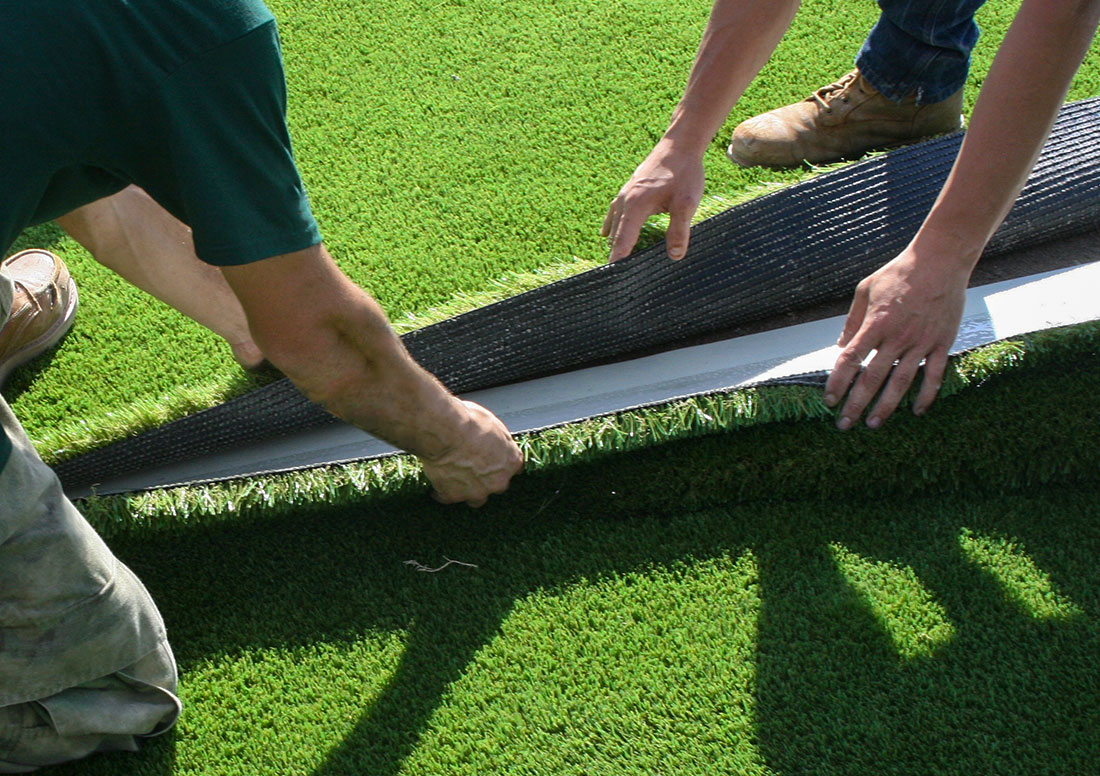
(46, 340)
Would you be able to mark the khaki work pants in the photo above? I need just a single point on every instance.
(85, 664)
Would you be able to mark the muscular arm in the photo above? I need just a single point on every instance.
(334, 342)
(739, 37)
(1016, 109)
(909, 310)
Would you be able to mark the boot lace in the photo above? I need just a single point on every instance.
(827, 93)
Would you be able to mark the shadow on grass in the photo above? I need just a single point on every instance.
(998, 690)
(1007, 693)
(1010, 691)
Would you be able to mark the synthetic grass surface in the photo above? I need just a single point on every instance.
(780, 599)
(1000, 423)
(777, 599)
(879, 635)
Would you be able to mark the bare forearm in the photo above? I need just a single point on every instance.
(1019, 101)
(131, 234)
(907, 313)
(368, 379)
(739, 37)
(335, 343)
(338, 348)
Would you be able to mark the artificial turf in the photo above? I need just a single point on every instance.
(869, 635)
(1001, 423)
(774, 597)
(728, 586)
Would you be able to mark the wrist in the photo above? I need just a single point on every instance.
(685, 138)
(429, 419)
(948, 250)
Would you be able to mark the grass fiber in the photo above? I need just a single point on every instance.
(721, 585)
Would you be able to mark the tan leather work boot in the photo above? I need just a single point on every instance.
(840, 121)
(42, 309)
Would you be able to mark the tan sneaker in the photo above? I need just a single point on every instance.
(42, 310)
(840, 121)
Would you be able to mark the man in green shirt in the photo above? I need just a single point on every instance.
(185, 100)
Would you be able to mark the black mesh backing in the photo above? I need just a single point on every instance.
(791, 249)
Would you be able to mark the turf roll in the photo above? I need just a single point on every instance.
(795, 248)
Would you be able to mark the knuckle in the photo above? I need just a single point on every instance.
(849, 359)
(876, 372)
(681, 201)
(903, 373)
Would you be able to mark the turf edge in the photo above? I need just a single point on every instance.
(1013, 414)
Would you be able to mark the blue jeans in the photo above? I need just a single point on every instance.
(920, 47)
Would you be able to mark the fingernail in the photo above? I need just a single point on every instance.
(918, 411)
(874, 421)
(844, 423)
(830, 399)
(676, 254)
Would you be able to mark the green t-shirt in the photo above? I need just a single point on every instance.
(185, 98)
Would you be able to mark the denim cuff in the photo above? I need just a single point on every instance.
(920, 62)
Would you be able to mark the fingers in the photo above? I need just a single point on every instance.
(856, 314)
(623, 225)
(934, 367)
(626, 225)
(906, 313)
(679, 229)
(608, 226)
(482, 465)
(669, 180)
(867, 383)
(465, 485)
(847, 367)
(851, 360)
(885, 377)
(472, 503)
(901, 377)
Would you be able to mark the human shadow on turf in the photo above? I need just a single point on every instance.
(1010, 692)
(982, 702)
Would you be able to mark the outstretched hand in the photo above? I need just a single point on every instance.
(481, 464)
(908, 314)
(667, 181)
